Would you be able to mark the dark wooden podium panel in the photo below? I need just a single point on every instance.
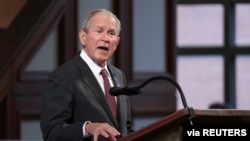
(170, 127)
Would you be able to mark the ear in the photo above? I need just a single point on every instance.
(82, 37)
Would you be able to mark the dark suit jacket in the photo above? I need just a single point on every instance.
(73, 96)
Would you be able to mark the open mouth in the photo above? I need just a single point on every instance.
(103, 48)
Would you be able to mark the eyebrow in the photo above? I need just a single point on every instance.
(109, 30)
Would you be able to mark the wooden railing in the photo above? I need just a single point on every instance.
(20, 91)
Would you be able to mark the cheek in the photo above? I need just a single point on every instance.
(112, 51)
(115, 44)
(90, 41)
(91, 38)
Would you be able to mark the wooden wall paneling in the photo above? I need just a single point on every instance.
(9, 117)
(20, 91)
(12, 40)
(29, 85)
(27, 93)
(170, 40)
(158, 99)
(8, 11)
(68, 33)
(123, 57)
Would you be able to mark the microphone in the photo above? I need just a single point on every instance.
(129, 91)
(116, 91)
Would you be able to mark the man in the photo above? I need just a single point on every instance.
(74, 105)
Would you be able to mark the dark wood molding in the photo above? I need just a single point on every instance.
(123, 57)
(13, 39)
(153, 102)
(20, 91)
(9, 117)
(68, 33)
(27, 92)
(170, 37)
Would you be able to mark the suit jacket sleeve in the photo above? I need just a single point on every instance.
(56, 114)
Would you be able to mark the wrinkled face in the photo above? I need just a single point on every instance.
(101, 40)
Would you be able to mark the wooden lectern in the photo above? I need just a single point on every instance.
(170, 127)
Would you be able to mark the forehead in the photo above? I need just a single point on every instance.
(103, 19)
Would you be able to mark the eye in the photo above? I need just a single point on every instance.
(112, 33)
(99, 31)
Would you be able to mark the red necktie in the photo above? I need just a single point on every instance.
(110, 99)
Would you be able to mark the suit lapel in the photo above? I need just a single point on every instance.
(89, 80)
(121, 100)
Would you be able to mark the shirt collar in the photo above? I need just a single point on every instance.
(96, 69)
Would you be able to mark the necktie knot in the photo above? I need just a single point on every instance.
(104, 73)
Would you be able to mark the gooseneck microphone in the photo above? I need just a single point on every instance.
(115, 91)
(129, 91)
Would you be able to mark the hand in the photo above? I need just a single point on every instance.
(104, 129)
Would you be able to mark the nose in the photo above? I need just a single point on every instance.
(105, 37)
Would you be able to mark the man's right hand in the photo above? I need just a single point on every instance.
(104, 129)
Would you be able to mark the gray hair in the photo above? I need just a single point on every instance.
(89, 15)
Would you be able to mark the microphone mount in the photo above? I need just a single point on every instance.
(129, 91)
